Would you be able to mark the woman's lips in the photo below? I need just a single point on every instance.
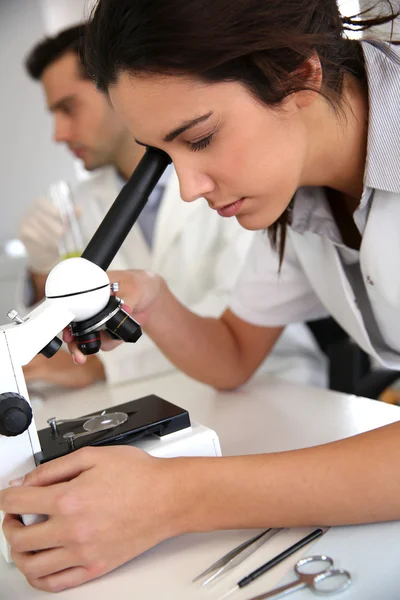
(231, 209)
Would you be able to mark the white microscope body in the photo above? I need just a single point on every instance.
(78, 292)
(76, 289)
(88, 292)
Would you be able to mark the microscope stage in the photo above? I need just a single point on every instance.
(145, 416)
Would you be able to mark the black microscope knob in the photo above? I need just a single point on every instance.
(15, 414)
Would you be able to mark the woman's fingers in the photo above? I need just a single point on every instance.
(64, 580)
(42, 564)
(31, 538)
(108, 343)
(67, 335)
(77, 356)
(61, 469)
(30, 500)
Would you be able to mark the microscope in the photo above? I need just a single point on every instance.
(80, 295)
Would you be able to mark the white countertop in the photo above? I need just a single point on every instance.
(266, 415)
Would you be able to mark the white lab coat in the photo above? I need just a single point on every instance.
(379, 262)
(313, 282)
(200, 256)
(314, 279)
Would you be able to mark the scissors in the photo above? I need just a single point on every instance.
(315, 572)
(236, 556)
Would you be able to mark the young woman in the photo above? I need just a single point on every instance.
(277, 119)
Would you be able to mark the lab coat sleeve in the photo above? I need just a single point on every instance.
(266, 297)
(228, 261)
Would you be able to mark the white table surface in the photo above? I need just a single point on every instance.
(266, 415)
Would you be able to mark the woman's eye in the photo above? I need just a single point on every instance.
(201, 144)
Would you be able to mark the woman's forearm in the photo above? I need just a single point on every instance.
(351, 481)
(201, 347)
(207, 349)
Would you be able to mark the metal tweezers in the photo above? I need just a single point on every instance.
(236, 556)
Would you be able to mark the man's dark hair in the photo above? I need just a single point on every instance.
(51, 49)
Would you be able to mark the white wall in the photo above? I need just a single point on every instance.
(350, 8)
(29, 160)
(382, 7)
(58, 14)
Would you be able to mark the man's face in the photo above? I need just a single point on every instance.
(83, 118)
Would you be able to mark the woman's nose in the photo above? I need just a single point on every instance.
(194, 185)
(192, 188)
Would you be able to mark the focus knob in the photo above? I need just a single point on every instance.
(15, 414)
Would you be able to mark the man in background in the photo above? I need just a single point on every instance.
(197, 252)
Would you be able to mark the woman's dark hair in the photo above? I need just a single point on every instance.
(262, 44)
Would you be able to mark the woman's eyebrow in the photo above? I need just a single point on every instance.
(184, 127)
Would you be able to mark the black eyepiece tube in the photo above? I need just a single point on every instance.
(126, 208)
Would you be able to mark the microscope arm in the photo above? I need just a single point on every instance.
(38, 328)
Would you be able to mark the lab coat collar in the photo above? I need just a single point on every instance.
(173, 215)
(311, 211)
(105, 182)
(382, 63)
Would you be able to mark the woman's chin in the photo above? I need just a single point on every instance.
(254, 222)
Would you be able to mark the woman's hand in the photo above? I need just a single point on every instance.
(139, 290)
(104, 506)
(221, 352)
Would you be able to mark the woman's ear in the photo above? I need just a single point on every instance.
(309, 76)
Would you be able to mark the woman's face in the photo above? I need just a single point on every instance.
(244, 158)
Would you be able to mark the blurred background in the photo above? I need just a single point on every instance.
(29, 159)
